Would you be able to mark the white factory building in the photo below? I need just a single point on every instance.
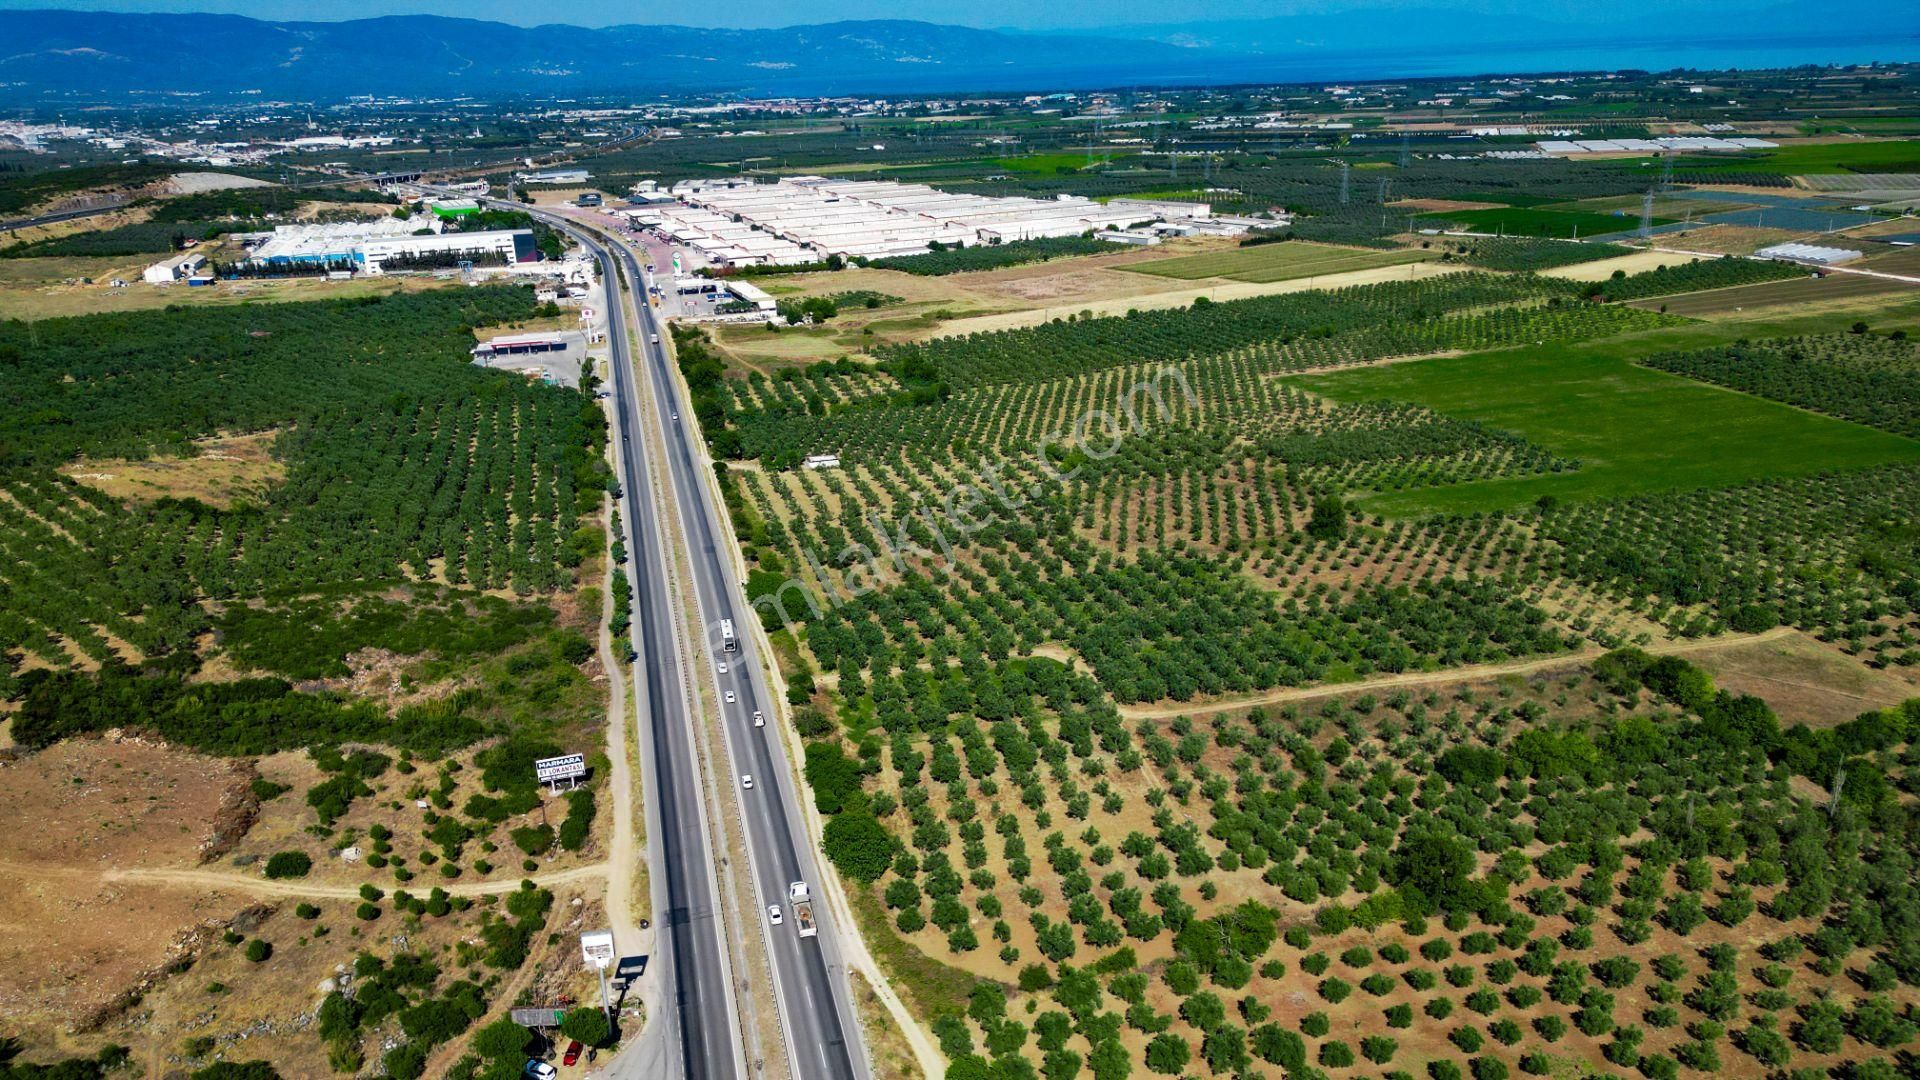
(369, 245)
(176, 268)
(806, 219)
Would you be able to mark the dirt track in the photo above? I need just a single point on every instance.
(1425, 678)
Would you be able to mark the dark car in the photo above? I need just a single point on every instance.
(572, 1056)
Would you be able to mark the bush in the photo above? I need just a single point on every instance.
(258, 951)
(589, 1025)
(502, 1039)
(289, 864)
(405, 1062)
(858, 846)
(533, 839)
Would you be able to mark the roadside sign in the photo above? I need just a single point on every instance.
(596, 948)
(568, 767)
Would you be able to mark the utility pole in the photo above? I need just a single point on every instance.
(1406, 151)
(1346, 182)
(1646, 215)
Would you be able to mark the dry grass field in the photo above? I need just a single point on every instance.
(221, 471)
(1809, 294)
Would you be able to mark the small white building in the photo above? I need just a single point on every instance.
(753, 294)
(822, 461)
(176, 268)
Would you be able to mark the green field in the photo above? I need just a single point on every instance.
(1526, 221)
(1507, 198)
(1044, 163)
(1891, 156)
(1632, 429)
(1275, 262)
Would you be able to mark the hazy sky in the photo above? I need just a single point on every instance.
(764, 13)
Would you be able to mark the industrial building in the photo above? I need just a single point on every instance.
(555, 177)
(508, 245)
(447, 209)
(369, 245)
(1662, 144)
(179, 267)
(808, 218)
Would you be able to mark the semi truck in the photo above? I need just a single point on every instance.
(800, 898)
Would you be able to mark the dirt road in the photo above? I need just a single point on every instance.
(255, 885)
(1428, 678)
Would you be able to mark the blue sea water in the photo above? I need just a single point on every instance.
(1414, 59)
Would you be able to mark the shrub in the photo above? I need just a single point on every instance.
(288, 864)
(590, 1026)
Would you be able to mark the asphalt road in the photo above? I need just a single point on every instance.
(701, 1013)
(812, 983)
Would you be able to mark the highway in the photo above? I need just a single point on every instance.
(810, 979)
(700, 1019)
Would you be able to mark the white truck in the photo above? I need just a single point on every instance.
(800, 898)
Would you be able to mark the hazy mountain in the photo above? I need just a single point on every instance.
(425, 54)
(68, 53)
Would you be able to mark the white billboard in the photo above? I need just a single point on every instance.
(565, 767)
(596, 948)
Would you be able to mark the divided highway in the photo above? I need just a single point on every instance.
(701, 1009)
(811, 983)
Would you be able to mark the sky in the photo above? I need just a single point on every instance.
(1022, 14)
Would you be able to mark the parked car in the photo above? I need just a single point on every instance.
(539, 1070)
(572, 1056)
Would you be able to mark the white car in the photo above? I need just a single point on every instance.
(746, 781)
(723, 667)
(759, 719)
(729, 697)
(536, 1069)
(773, 914)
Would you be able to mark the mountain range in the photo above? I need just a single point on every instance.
(71, 54)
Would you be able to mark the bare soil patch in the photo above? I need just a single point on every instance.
(1443, 205)
(72, 940)
(1602, 269)
(1732, 239)
(224, 470)
(1803, 678)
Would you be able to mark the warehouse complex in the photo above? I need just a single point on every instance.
(370, 245)
(1662, 144)
(806, 219)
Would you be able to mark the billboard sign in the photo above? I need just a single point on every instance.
(565, 767)
(596, 948)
